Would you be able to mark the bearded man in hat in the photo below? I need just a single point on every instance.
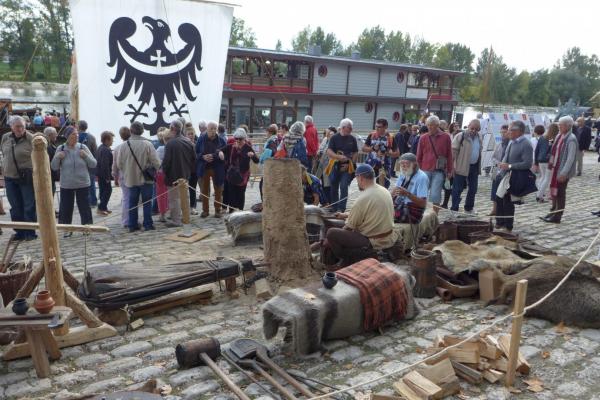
(369, 224)
(410, 193)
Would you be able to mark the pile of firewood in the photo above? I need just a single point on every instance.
(476, 360)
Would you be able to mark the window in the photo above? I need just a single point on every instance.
(280, 69)
(237, 66)
(322, 71)
(261, 119)
(240, 115)
(417, 79)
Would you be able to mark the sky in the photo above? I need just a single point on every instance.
(528, 34)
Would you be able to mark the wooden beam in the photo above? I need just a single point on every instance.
(38, 353)
(467, 373)
(31, 282)
(181, 299)
(515, 338)
(60, 227)
(77, 335)
(81, 310)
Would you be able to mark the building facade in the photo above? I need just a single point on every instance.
(262, 87)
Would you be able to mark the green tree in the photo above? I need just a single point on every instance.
(371, 43)
(423, 52)
(57, 34)
(18, 34)
(454, 56)
(278, 46)
(398, 47)
(307, 37)
(539, 89)
(241, 36)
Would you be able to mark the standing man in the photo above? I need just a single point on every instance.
(342, 153)
(583, 134)
(179, 162)
(381, 149)
(413, 140)
(211, 165)
(90, 142)
(434, 156)
(517, 161)
(466, 152)
(562, 164)
(119, 176)
(312, 142)
(136, 156)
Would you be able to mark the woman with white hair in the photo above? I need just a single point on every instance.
(237, 170)
(18, 176)
(342, 153)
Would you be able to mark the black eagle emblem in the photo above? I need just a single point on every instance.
(155, 74)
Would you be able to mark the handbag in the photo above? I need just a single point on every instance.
(441, 162)
(25, 174)
(234, 176)
(149, 173)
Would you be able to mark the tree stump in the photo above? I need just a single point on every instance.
(285, 239)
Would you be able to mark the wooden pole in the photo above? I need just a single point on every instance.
(60, 227)
(47, 220)
(515, 338)
(185, 201)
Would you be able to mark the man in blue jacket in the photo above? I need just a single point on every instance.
(210, 165)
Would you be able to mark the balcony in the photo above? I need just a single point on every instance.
(265, 84)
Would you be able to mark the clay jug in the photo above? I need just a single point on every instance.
(20, 306)
(43, 302)
(330, 280)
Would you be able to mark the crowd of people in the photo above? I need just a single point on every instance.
(432, 161)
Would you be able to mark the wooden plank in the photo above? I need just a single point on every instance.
(80, 309)
(59, 227)
(181, 299)
(493, 376)
(500, 364)
(38, 353)
(77, 335)
(467, 373)
(465, 356)
(405, 391)
(488, 348)
(421, 385)
(522, 365)
(443, 375)
(49, 344)
(196, 236)
(515, 337)
(472, 344)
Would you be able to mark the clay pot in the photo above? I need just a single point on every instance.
(43, 302)
(20, 306)
(330, 280)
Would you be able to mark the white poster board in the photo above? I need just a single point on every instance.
(150, 61)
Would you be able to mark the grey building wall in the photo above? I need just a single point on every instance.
(389, 85)
(387, 111)
(363, 81)
(334, 82)
(326, 113)
(363, 121)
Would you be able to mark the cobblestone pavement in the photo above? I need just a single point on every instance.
(567, 362)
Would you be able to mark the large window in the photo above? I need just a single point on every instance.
(240, 115)
(303, 112)
(261, 119)
(417, 79)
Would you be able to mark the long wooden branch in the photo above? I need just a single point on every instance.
(34, 278)
(81, 310)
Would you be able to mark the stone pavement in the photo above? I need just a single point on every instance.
(566, 361)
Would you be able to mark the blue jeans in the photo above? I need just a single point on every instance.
(436, 183)
(339, 188)
(460, 181)
(21, 198)
(134, 196)
(93, 197)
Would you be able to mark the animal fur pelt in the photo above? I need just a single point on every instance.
(313, 314)
(246, 226)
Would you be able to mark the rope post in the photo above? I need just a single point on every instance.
(184, 198)
(515, 337)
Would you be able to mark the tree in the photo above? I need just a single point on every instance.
(539, 89)
(371, 43)
(278, 45)
(398, 47)
(241, 36)
(454, 56)
(57, 34)
(423, 52)
(307, 37)
(18, 34)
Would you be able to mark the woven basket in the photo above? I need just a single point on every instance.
(10, 283)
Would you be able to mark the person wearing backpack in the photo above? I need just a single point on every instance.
(466, 152)
(90, 142)
(73, 160)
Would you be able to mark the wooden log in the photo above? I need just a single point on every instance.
(467, 373)
(49, 344)
(38, 353)
(81, 310)
(464, 355)
(493, 376)
(47, 220)
(60, 227)
(425, 388)
(488, 347)
(406, 391)
(500, 364)
(32, 281)
(443, 375)
(184, 198)
(285, 239)
(522, 364)
(192, 297)
(70, 280)
(515, 337)
(231, 287)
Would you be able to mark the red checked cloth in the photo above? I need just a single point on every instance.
(382, 291)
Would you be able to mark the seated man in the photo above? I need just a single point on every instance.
(369, 224)
(410, 193)
(313, 189)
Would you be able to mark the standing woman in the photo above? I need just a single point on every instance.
(18, 176)
(190, 133)
(497, 156)
(237, 169)
(323, 158)
(542, 154)
(73, 159)
(161, 186)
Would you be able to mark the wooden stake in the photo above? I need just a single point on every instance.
(31, 282)
(46, 218)
(184, 194)
(515, 339)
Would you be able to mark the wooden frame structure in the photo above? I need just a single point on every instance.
(51, 266)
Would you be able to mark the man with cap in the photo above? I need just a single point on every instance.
(410, 193)
(369, 224)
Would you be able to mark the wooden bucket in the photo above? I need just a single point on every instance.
(423, 268)
(464, 228)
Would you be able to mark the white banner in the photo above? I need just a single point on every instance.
(150, 61)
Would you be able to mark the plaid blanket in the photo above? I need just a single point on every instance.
(382, 292)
